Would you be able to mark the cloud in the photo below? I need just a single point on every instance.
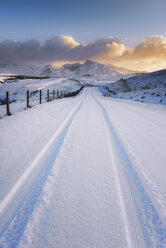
(69, 41)
(12, 51)
(151, 48)
(150, 54)
(57, 48)
(61, 48)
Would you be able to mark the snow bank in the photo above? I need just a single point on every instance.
(149, 87)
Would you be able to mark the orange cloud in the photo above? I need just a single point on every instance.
(151, 48)
(149, 55)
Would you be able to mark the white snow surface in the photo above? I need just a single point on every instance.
(148, 87)
(18, 89)
(87, 171)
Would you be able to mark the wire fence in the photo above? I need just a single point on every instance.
(32, 98)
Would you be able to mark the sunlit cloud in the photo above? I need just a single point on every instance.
(69, 41)
(149, 55)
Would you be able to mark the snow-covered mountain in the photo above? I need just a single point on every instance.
(89, 68)
(148, 87)
(91, 73)
(48, 71)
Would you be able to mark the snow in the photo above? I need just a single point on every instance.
(83, 202)
(149, 87)
(143, 126)
(89, 68)
(18, 88)
(87, 171)
(92, 73)
(67, 78)
(24, 134)
(147, 228)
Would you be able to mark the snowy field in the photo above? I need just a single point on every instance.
(18, 90)
(84, 172)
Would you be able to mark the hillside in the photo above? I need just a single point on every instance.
(90, 68)
(148, 87)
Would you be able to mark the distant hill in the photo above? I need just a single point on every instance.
(89, 68)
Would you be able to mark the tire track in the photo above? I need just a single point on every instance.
(18, 205)
(145, 226)
(81, 208)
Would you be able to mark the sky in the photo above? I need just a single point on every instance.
(37, 24)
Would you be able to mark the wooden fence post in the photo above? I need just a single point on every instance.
(40, 96)
(48, 96)
(28, 106)
(7, 104)
(53, 94)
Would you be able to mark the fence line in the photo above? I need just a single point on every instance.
(59, 95)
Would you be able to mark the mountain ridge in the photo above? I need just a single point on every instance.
(88, 68)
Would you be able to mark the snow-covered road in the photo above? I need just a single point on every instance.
(95, 179)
